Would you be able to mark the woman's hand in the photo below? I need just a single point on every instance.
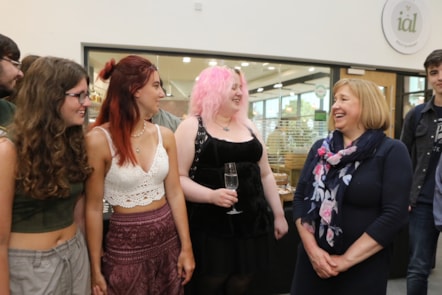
(281, 227)
(341, 263)
(99, 286)
(186, 265)
(224, 197)
(322, 263)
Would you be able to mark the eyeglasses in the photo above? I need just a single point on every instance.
(80, 96)
(17, 64)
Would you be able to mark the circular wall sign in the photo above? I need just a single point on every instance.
(406, 24)
(320, 91)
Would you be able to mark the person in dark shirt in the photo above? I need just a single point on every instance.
(351, 199)
(26, 62)
(9, 74)
(165, 118)
(422, 135)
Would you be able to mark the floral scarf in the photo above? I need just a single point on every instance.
(332, 170)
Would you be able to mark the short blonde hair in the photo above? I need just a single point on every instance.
(374, 108)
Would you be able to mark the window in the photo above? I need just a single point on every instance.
(292, 95)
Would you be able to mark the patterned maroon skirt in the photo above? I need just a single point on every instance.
(141, 254)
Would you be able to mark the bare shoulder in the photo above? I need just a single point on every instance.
(96, 135)
(188, 125)
(251, 125)
(6, 147)
(167, 135)
(96, 142)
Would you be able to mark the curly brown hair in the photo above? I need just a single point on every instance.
(51, 155)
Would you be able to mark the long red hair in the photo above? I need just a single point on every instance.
(119, 107)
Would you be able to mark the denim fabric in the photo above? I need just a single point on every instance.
(423, 244)
(419, 140)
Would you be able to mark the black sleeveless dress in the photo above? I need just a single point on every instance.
(226, 243)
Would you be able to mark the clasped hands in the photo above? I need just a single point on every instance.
(326, 265)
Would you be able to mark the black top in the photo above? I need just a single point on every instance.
(375, 201)
(208, 170)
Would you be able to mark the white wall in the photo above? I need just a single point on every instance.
(338, 31)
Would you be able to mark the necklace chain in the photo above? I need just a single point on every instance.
(142, 131)
(225, 128)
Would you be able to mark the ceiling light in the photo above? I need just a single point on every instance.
(260, 89)
(186, 59)
(312, 69)
(271, 68)
(213, 63)
(237, 68)
(244, 64)
(277, 85)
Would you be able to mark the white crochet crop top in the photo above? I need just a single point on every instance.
(129, 185)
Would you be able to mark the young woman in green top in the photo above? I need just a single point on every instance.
(43, 165)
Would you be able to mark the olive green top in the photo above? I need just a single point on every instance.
(31, 215)
(7, 110)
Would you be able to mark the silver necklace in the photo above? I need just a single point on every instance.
(137, 149)
(225, 128)
(141, 132)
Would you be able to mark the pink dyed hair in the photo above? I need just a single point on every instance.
(212, 89)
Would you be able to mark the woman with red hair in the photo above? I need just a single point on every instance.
(147, 248)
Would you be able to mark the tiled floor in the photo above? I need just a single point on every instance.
(398, 286)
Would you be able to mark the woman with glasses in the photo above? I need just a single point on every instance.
(43, 166)
(147, 247)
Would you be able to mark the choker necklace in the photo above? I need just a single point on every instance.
(141, 132)
(225, 128)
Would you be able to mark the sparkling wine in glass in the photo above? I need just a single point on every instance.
(231, 182)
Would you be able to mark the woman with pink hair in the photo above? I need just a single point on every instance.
(229, 249)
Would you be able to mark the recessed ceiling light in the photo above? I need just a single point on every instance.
(260, 89)
(213, 63)
(277, 85)
(271, 68)
(311, 69)
(186, 59)
(244, 64)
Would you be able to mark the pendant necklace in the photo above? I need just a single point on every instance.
(137, 149)
(141, 132)
(225, 128)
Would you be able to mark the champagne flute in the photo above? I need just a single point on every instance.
(231, 182)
